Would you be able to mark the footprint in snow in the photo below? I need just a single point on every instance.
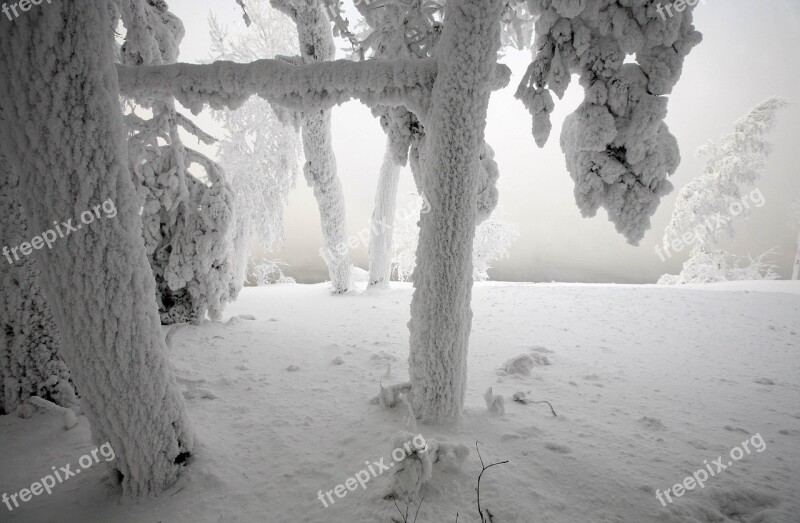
(558, 448)
(338, 360)
(652, 423)
(764, 381)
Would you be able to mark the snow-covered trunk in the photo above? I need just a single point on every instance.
(317, 45)
(441, 317)
(30, 351)
(380, 244)
(60, 84)
(320, 173)
(796, 271)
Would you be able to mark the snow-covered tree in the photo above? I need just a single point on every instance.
(493, 240)
(396, 30)
(267, 272)
(795, 222)
(260, 152)
(30, 345)
(624, 169)
(187, 218)
(706, 207)
(316, 45)
(59, 82)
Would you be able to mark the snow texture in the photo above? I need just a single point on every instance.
(97, 279)
(440, 310)
(796, 225)
(30, 352)
(618, 149)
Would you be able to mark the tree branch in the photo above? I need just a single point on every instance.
(299, 87)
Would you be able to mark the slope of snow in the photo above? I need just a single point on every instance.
(641, 404)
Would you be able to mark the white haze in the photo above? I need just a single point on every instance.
(746, 56)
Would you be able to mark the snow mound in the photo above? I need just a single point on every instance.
(523, 363)
(359, 275)
(417, 466)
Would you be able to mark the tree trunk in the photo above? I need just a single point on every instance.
(317, 45)
(30, 351)
(320, 173)
(380, 244)
(796, 271)
(440, 309)
(60, 85)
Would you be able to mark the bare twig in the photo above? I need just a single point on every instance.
(478, 490)
(521, 397)
(416, 514)
(551, 407)
(419, 507)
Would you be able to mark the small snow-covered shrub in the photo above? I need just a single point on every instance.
(718, 266)
(416, 468)
(268, 272)
(389, 396)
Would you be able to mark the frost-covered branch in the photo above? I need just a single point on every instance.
(619, 150)
(319, 85)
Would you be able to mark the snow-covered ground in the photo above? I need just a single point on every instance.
(647, 381)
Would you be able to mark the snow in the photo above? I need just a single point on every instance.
(647, 381)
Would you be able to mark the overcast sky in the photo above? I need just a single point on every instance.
(748, 54)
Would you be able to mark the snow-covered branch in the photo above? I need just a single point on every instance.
(314, 86)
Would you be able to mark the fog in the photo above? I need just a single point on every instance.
(747, 55)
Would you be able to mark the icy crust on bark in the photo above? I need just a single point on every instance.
(440, 309)
(619, 151)
(97, 279)
(187, 222)
(30, 348)
(382, 230)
